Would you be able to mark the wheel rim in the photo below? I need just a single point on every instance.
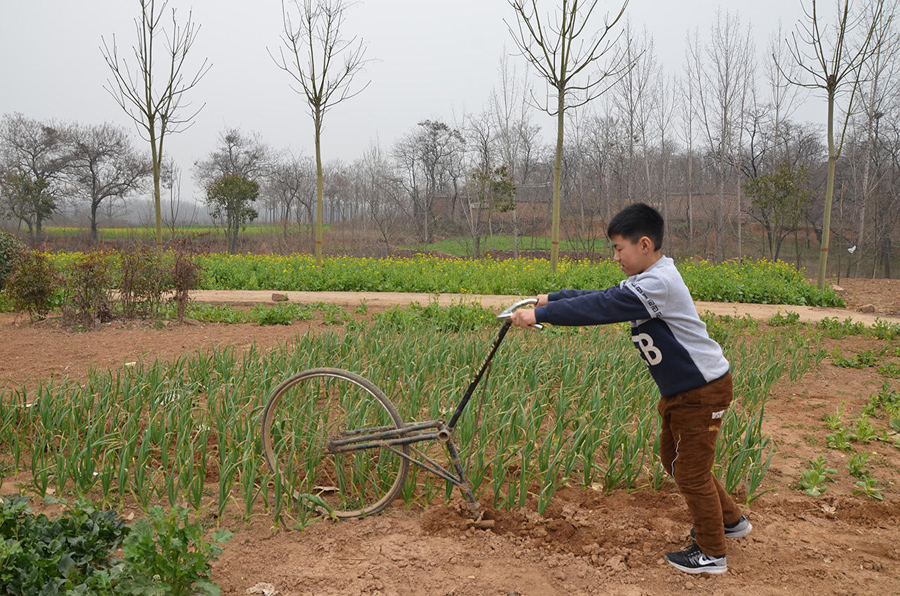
(302, 416)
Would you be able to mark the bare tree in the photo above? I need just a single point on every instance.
(171, 181)
(562, 50)
(152, 90)
(634, 103)
(289, 189)
(722, 74)
(237, 153)
(103, 167)
(831, 60)
(687, 98)
(33, 158)
(515, 133)
(879, 89)
(310, 49)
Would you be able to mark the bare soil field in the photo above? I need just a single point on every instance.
(587, 542)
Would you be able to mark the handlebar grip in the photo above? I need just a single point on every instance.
(507, 313)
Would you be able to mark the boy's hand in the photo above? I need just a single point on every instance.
(542, 300)
(523, 318)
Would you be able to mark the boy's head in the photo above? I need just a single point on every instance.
(635, 221)
(636, 234)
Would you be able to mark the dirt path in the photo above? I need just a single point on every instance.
(387, 299)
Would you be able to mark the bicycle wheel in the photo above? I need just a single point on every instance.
(320, 405)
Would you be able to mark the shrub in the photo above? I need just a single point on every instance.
(88, 283)
(32, 284)
(11, 250)
(185, 277)
(145, 277)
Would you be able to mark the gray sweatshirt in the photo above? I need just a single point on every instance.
(665, 327)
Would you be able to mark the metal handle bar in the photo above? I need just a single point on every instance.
(509, 311)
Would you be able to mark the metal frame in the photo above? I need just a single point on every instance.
(417, 432)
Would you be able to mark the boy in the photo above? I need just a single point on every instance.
(688, 366)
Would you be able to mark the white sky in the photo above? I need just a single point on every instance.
(432, 59)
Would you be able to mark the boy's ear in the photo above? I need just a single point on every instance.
(646, 244)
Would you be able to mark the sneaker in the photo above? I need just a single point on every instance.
(738, 529)
(694, 560)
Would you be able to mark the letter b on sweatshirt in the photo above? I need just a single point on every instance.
(651, 353)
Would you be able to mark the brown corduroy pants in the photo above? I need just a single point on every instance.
(687, 447)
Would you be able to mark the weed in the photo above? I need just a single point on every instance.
(890, 370)
(780, 320)
(838, 329)
(332, 314)
(280, 314)
(839, 440)
(864, 432)
(866, 486)
(169, 556)
(835, 421)
(864, 359)
(858, 466)
(273, 315)
(885, 330)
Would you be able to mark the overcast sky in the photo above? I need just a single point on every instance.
(431, 59)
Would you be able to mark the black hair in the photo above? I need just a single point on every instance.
(635, 221)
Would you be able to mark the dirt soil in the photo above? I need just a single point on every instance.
(587, 542)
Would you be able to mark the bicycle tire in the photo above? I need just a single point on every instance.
(315, 406)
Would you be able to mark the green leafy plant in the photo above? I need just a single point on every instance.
(167, 555)
(813, 480)
(71, 554)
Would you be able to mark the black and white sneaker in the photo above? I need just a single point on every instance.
(738, 529)
(694, 560)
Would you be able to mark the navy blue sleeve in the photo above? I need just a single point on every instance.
(591, 307)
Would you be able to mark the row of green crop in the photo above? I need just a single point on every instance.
(579, 410)
(147, 233)
(755, 281)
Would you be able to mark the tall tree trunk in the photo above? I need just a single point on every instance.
(319, 184)
(829, 196)
(557, 179)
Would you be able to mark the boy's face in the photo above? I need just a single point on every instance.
(633, 257)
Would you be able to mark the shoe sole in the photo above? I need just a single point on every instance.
(699, 570)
